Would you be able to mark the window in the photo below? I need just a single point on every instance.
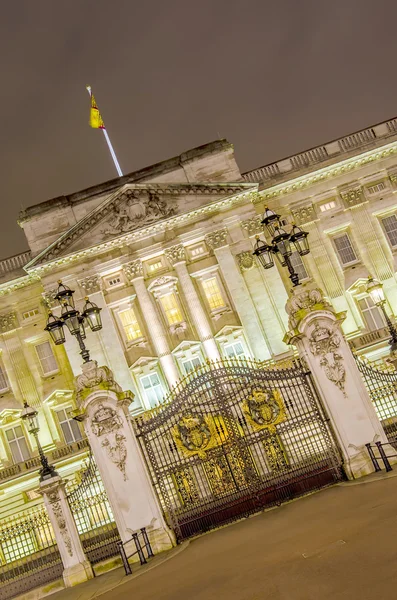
(298, 265)
(130, 324)
(234, 350)
(344, 249)
(70, 428)
(17, 443)
(372, 316)
(114, 281)
(154, 266)
(171, 309)
(378, 187)
(47, 359)
(191, 364)
(390, 226)
(213, 293)
(4, 385)
(30, 314)
(327, 206)
(152, 389)
(196, 251)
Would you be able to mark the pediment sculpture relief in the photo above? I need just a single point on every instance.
(138, 209)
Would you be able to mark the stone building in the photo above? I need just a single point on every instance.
(166, 252)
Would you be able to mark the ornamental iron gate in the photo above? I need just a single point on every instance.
(29, 556)
(382, 388)
(93, 516)
(233, 438)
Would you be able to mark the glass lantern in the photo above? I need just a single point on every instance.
(264, 253)
(91, 313)
(55, 329)
(30, 416)
(65, 294)
(282, 242)
(70, 316)
(270, 220)
(375, 289)
(299, 238)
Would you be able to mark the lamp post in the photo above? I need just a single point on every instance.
(73, 319)
(30, 416)
(375, 289)
(280, 245)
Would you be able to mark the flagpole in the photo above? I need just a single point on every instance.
(109, 143)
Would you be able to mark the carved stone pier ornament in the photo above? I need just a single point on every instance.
(246, 261)
(55, 501)
(324, 342)
(107, 423)
(94, 378)
(300, 305)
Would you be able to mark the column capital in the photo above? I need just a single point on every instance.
(91, 284)
(133, 269)
(253, 226)
(175, 254)
(8, 322)
(216, 239)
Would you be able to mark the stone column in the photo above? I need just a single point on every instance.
(134, 272)
(103, 409)
(77, 568)
(176, 256)
(315, 329)
(239, 293)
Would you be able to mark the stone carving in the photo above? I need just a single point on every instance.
(133, 269)
(264, 409)
(107, 422)
(216, 239)
(94, 377)
(353, 197)
(175, 254)
(253, 226)
(305, 214)
(299, 305)
(56, 506)
(91, 284)
(324, 342)
(8, 322)
(393, 176)
(158, 285)
(195, 434)
(136, 209)
(246, 261)
(48, 298)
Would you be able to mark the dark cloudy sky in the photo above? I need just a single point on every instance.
(274, 77)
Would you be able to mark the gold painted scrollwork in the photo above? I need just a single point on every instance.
(195, 434)
(264, 409)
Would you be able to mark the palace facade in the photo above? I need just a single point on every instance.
(166, 252)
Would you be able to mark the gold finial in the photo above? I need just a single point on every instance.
(60, 281)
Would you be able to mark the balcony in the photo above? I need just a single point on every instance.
(33, 463)
(370, 338)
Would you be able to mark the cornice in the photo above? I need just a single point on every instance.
(16, 284)
(340, 168)
(242, 193)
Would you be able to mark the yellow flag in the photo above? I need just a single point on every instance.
(95, 116)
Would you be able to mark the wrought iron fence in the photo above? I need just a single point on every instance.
(93, 515)
(381, 384)
(29, 556)
(235, 437)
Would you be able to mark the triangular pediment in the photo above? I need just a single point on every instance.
(136, 207)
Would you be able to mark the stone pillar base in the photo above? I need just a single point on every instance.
(161, 539)
(77, 574)
(360, 464)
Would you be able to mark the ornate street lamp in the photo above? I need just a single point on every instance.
(375, 289)
(282, 244)
(73, 319)
(30, 416)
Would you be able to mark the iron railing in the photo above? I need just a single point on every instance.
(141, 547)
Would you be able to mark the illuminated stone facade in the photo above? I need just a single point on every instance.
(166, 253)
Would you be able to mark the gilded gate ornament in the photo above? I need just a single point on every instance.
(195, 434)
(264, 409)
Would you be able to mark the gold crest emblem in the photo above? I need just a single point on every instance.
(264, 409)
(195, 434)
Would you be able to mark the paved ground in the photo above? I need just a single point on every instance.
(340, 543)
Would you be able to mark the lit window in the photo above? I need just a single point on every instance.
(17, 443)
(4, 385)
(154, 266)
(372, 316)
(171, 309)
(390, 226)
(46, 357)
(191, 364)
(213, 293)
(130, 324)
(298, 265)
(234, 350)
(70, 428)
(374, 189)
(152, 389)
(327, 206)
(30, 314)
(196, 251)
(344, 249)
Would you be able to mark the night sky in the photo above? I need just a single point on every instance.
(274, 78)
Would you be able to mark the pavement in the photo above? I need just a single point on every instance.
(338, 543)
